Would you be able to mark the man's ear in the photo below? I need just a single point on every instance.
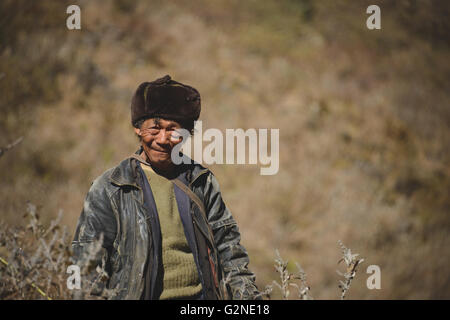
(138, 131)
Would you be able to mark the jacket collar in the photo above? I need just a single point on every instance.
(125, 174)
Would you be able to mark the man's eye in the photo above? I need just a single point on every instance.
(152, 131)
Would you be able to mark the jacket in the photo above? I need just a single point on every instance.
(119, 210)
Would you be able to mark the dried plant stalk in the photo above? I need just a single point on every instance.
(34, 261)
(352, 263)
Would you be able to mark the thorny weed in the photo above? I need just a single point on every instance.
(352, 263)
(34, 261)
(298, 279)
(3, 150)
(287, 280)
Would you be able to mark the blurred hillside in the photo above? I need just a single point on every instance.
(364, 120)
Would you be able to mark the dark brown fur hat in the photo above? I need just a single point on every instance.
(165, 98)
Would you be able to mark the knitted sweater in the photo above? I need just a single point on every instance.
(181, 278)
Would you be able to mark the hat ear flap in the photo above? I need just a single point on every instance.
(138, 103)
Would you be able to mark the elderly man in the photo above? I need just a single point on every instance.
(166, 232)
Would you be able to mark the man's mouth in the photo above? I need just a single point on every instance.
(160, 151)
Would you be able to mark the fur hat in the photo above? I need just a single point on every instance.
(165, 98)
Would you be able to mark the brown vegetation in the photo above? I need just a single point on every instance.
(364, 121)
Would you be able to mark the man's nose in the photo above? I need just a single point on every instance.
(163, 137)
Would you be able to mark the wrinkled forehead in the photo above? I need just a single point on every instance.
(163, 123)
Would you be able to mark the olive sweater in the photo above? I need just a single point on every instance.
(181, 278)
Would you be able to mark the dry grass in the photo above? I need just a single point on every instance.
(363, 118)
(34, 262)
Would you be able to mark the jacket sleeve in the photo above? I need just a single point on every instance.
(94, 236)
(233, 257)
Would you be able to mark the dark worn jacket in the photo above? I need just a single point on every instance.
(119, 206)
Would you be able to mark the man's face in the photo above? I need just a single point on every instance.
(159, 136)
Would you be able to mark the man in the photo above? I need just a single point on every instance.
(166, 232)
